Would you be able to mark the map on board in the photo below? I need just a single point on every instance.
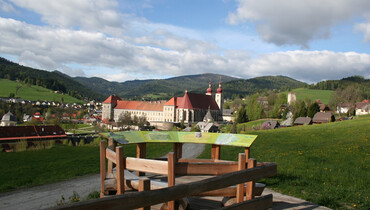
(131, 137)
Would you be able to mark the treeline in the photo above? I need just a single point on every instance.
(51, 80)
(359, 83)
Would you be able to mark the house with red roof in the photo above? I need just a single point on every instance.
(190, 108)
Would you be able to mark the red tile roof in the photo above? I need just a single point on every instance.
(141, 105)
(173, 101)
(112, 99)
(198, 101)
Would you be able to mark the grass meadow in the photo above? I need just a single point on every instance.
(62, 162)
(327, 164)
(303, 93)
(33, 92)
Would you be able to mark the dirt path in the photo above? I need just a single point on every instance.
(47, 196)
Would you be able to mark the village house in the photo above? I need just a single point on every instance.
(323, 117)
(303, 121)
(363, 107)
(8, 120)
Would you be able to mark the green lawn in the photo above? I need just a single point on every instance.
(326, 164)
(33, 92)
(303, 93)
(31, 168)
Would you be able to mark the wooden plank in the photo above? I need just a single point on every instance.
(140, 199)
(111, 144)
(240, 187)
(177, 149)
(140, 153)
(247, 153)
(263, 202)
(144, 185)
(205, 168)
(216, 152)
(102, 167)
(120, 171)
(111, 155)
(147, 165)
(251, 184)
(184, 160)
(171, 177)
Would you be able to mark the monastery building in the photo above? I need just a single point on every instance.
(190, 108)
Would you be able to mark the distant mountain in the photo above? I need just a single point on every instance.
(52, 80)
(156, 88)
(244, 87)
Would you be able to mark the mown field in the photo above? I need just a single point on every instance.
(303, 93)
(33, 92)
(326, 164)
(31, 168)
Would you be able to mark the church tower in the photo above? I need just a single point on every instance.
(209, 89)
(219, 98)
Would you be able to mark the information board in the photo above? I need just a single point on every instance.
(131, 137)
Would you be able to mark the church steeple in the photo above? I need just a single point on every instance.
(219, 98)
(209, 90)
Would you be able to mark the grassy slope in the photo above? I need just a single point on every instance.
(31, 168)
(327, 164)
(303, 93)
(33, 93)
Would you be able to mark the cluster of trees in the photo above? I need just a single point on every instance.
(304, 109)
(254, 108)
(125, 119)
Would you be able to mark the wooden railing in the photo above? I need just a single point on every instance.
(228, 173)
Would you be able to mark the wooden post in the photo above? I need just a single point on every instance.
(240, 187)
(171, 177)
(120, 171)
(110, 163)
(144, 185)
(177, 149)
(102, 167)
(216, 152)
(247, 153)
(250, 185)
(140, 153)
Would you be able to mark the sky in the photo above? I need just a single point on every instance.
(308, 40)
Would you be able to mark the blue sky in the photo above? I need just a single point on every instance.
(124, 40)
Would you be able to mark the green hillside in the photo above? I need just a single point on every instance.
(327, 164)
(312, 94)
(33, 92)
(51, 80)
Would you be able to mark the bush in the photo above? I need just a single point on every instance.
(20, 146)
(93, 195)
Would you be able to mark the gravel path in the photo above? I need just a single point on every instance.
(47, 196)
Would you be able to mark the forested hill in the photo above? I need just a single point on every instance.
(244, 87)
(51, 80)
(358, 81)
(162, 88)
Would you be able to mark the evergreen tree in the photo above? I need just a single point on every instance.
(313, 109)
(241, 115)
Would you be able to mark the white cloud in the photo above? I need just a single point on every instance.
(311, 66)
(6, 7)
(120, 59)
(364, 28)
(297, 22)
(97, 15)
